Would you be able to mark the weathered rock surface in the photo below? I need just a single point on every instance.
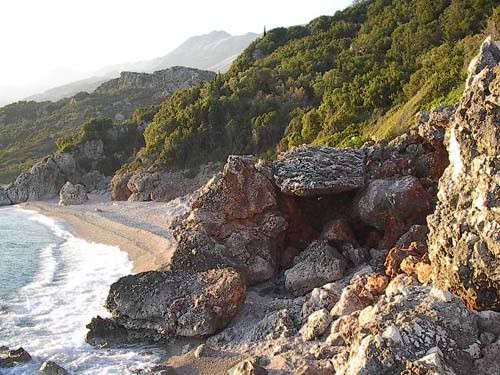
(234, 222)
(464, 240)
(318, 265)
(310, 171)
(156, 305)
(72, 194)
(52, 368)
(247, 367)
(14, 357)
(393, 206)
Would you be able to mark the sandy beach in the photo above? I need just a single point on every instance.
(141, 229)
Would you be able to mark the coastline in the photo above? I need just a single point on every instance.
(141, 229)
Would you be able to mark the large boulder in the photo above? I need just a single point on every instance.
(393, 205)
(234, 222)
(72, 194)
(311, 171)
(119, 186)
(4, 198)
(157, 305)
(464, 239)
(316, 266)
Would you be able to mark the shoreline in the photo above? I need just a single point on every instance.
(145, 237)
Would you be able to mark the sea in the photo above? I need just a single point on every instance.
(51, 284)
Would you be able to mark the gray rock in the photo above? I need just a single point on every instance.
(312, 171)
(316, 325)
(464, 239)
(157, 305)
(4, 198)
(11, 358)
(318, 265)
(72, 194)
(52, 368)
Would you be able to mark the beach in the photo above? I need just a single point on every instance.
(141, 229)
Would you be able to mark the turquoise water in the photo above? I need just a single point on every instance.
(51, 284)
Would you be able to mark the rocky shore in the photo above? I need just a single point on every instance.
(382, 260)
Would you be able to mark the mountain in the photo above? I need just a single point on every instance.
(214, 51)
(340, 80)
(29, 130)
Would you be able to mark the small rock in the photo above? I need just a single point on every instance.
(201, 351)
(316, 325)
(11, 358)
(52, 368)
(247, 367)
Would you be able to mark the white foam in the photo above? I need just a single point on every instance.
(48, 316)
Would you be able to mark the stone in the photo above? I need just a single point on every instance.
(13, 357)
(52, 368)
(488, 363)
(4, 198)
(72, 195)
(337, 230)
(324, 297)
(247, 367)
(318, 265)
(316, 325)
(278, 324)
(464, 238)
(119, 186)
(393, 206)
(234, 222)
(312, 171)
(156, 305)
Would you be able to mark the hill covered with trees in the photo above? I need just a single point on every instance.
(362, 73)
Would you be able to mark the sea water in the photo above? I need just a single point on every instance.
(51, 285)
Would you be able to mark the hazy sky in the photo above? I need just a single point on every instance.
(59, 39)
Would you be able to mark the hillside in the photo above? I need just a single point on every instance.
(29, 130)
(214, 51)
(362, 73)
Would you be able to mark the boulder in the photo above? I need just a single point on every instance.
(119, 186)
(393, 206)
(247, 367)
(72, 194)
(4, 198)
(156, 305)
(316, 266)
(234, 222)
(316, 325)
(312, 171)
(52, 368)
(14, 357)
(464, 239)
(337, 230)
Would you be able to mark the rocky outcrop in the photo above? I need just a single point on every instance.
(72, 194)
(464, 240)
(234, 222)
(52, 368)
(157, 305)
(160, 185)
(308, 171)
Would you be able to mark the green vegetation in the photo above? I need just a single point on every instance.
(362, 73)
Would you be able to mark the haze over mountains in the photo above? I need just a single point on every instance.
(214, 51)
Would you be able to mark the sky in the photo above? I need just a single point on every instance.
(51, 42)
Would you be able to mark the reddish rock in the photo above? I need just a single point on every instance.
(337, 230)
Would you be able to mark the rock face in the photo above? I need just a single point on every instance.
(72, 194)
(318, 265)
(310, 171)
(464, 240)
(156, 305)
(234, 222)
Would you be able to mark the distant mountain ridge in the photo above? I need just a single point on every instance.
(214, 51)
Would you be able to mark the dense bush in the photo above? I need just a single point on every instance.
(337, 81)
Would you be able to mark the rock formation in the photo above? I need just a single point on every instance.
(464, 241)
(72, 194)
(13, 357)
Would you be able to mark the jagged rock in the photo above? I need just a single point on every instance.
(405, 328)
(464, 239)
(11, 358)
(95, 181)
(119, 186)
(234, 222)
(356, 296)
(311, 171)
(324, 297)
(4, 198)
(337, 230)
(393, 205)
(157, 305)
(52, 368)
(141, 185)
(276, 325)
(105, 333)
(316, 324)
(72, 194)
(247, 367)
(318, 265)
